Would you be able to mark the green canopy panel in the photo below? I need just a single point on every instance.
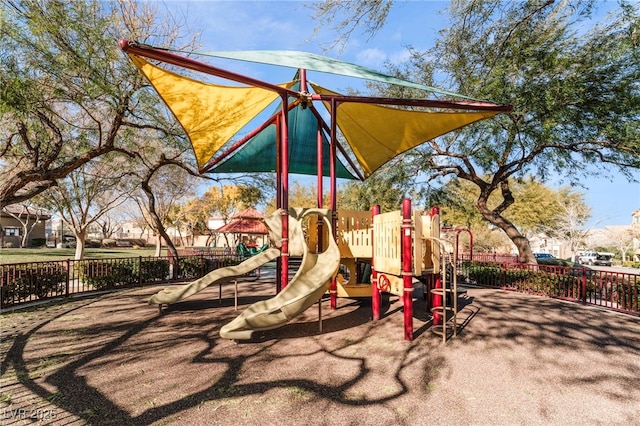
(259, 153)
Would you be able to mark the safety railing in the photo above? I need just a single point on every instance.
(612, 290)
(27, 282)
(489, 257)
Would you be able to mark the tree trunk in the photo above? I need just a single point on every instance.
(158, 224)
(521, 242)
(80, 243)
(23, 242)
(158, 246)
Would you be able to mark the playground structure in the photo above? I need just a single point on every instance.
(372, 253)
(388, 253)
(296, 138)
(244, 252)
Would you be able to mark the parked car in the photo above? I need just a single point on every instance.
(543, 256)
(68, 241)
(603, 259)
(596, 258)
(588, 257)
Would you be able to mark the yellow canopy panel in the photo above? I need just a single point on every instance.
(377, 133)
(210, 114)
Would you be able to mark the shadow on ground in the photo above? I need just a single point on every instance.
(517, 359)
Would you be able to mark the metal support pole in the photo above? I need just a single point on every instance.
(284, 159)
(333, 292)
(407, 276)
(375, 290)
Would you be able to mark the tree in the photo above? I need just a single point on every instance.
(575, 95)
(163, 186)
(74, 96)
(300, 195)
(386, 188)
(193, 216)
(225, 200)
(87, 194)
(570, 220)
(620, 237)
(371, 14)
(109, 224)
(68, 93)
(560, 214)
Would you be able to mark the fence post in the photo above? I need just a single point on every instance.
(68, 280)
(3, 286)
(139, 271)
(504, 275)
(583, 286)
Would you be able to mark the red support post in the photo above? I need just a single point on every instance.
(320, 200)
(407, 275)
(333, 292)
(437, 298)
(284, 167)
(375, 290)
(278, 196)
(437, 302)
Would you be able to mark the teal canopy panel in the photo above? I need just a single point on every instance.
(311, 61)
(259, 153)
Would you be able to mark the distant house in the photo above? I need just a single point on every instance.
(16, 220)
(540, 243)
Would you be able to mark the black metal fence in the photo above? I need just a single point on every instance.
(32, 281)
(22, 283)
(612, 290)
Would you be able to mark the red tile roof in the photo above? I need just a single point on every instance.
(244, 226)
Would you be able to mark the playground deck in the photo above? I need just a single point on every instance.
(519, 359)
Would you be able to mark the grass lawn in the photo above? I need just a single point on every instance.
(18, 255)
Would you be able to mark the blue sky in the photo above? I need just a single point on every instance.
(287, 25)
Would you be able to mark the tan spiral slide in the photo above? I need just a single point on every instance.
(305, 288)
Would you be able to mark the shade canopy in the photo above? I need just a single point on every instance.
(248, 221)
(213, 115)
(210, 114)
(378, 133)
(257, 154)
(311, 61)
(243, 226)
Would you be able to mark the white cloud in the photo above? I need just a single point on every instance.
(399, 56)
(371, 57)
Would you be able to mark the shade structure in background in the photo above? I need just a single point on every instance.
(248, 221)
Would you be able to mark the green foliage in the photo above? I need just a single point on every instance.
(574, 91)
(227, 261)
(69, 95)
(38, 242)
(344, 17)
(152, 270)
(562, 283)
(103, 275)
(629, 296)
(42, 280)
(385, 187)
(195, 267)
